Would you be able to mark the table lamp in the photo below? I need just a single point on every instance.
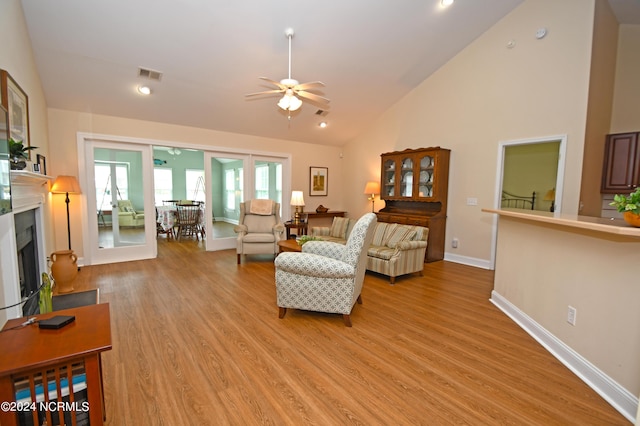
(551, 196)
(297, 200)
(372, 189)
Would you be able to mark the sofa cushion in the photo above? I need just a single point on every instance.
(382, 232)
(381, 252)
(400, 233)
(339, 227)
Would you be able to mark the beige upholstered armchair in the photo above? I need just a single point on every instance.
(326, 276)
(259, 228)
(128, 216)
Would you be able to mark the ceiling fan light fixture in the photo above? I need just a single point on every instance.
(289, 102)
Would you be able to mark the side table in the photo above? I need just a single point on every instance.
(301, 228)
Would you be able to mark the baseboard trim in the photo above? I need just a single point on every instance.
(465, 260)
(620, 398)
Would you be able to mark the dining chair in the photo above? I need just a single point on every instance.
(188, 220)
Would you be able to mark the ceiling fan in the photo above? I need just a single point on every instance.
(291, 89)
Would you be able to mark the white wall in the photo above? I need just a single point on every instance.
(17, 59)
(486, 94)
(556, 267)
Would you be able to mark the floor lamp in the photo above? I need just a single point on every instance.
(66, 185)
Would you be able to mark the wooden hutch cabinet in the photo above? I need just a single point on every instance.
(414, 187)
(621, 171)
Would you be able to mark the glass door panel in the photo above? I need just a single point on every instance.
(389, 178)
(118, 223)
(225, 182)
(425, 182)
(268, 181)
(406, 177)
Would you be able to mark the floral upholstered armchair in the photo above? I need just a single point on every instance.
(325, 276)
(259, 228)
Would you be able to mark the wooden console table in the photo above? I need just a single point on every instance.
(330, 214)
(46, 357)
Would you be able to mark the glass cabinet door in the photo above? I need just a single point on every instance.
(426, 176)
(389, 178)
(406, 177)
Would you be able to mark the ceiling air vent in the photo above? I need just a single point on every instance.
(150, 74)
(322, 112)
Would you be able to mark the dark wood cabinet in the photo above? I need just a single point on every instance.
(414, 187)
(621, 171)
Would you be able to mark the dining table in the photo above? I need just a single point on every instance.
(168, 214)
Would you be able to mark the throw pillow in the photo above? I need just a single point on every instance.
(339, 228)
(401, 233)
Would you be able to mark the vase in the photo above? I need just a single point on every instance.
(17, 164)
(632, 219)
(64, 269)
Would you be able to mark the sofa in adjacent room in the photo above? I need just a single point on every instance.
(395, 250)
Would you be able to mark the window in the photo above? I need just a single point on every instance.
(104, 184)
(163, 184)
(195, 184)
(262, 182)
(230, 189)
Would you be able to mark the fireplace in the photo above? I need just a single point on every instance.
(28, 264)
(23, 244)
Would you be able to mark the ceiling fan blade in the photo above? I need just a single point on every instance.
(309, 85)
(275, 83)
(312, 96)
(266, 92)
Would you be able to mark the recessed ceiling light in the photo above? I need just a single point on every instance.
(145, 90)
(322, 124)
(446, 3)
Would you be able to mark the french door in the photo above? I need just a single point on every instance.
(234, 178)
(120, 213)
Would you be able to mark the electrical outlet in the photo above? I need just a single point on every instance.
(454, 242)
(571, 315)
(472, 201)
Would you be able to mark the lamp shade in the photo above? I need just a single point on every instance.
(297, 199)
(372, 188)
(550, 195)
(66, 184)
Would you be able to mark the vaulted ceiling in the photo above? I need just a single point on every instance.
(210, 53)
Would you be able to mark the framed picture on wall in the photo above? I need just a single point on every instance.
(318, 180)
(42, 163)
(16, 103)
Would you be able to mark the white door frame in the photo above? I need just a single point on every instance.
(500, 174)
(92, 254)
(249, 160)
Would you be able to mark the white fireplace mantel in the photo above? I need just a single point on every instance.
(28, 192)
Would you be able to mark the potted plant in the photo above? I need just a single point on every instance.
(629, 206)
(18, 154)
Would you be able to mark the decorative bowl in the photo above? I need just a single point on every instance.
(322, 209)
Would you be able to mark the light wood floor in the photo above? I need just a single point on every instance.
(197, 341)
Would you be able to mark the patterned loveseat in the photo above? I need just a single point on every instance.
(395, 250)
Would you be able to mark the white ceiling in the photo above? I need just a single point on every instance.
(369, 53)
